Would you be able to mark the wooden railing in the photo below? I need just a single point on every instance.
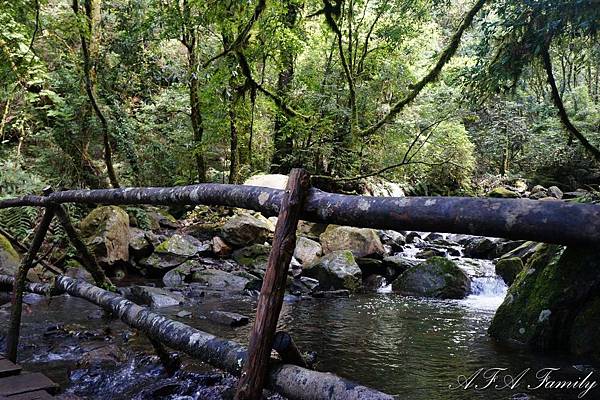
(544, 221)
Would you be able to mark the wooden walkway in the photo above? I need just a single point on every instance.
(15, 384)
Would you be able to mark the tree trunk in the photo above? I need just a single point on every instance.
(90, 87)
(562, 113)
(14, 330)
(282, 142)
(270, 300)
(517, 219)
(196, 117)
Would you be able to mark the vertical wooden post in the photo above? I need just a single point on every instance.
(14, 329)
(89, 261)
(253, 377)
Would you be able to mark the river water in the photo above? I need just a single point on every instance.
(412, 348)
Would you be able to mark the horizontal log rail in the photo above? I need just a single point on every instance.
(291, 381)
(519, 219)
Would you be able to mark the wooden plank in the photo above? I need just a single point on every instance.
(37, 395)
(24, 383)
(7, 368)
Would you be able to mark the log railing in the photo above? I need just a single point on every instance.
(543, 221)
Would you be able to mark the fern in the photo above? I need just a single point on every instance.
(19, 222)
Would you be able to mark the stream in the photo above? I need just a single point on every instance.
(412, 348)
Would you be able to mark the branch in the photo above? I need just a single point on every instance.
(432, 75)
(562, 112)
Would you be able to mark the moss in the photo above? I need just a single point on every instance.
(502, 192)
(6, 246)
(509, 268)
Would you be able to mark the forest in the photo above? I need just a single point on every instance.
(440, 96)
(410, 189)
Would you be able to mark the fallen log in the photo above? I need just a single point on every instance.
(291, 381)
(518, 219)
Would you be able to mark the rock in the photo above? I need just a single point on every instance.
(155, 297)
(139, 244)
(336, 270)
(431, 252)
(175, 251)
(255, 257)
(220, 248)
(73, 269)
(554, 303)
(220, 280)
(376, 186)
(228, 318)
(434, 236)
(393, 239)
(555, 192)
(160, 218)
(204, 230)
(101, 355)
(328, 294)
(413, 237)
(538, 192)
(307, 250)
(374, 282)
(361, 242)
(9, 258)
(274, 181)
(244, 229)
(524, 251)
(481, 247)
(184, 314)
(106, 231)
(396, 265)
(370, 266)
(538, 189)
(311, 230)
(437, 277)
(504, 193)
(576, 194)
(180, 274)
(303, 285)
(509, 268)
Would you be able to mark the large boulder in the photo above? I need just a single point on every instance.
(106, 231)
(503, 193)
(141, 243)
(361, 242)
(337, 270)
(509, 268)
(481, 247)
(9, 258)
(244, 229)
(220, 280)
(174, 251)
(307, 250)
(554, 303)
(437, 277)
(155, 297)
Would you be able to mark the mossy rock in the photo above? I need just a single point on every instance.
(509, 268)
(9, 258)
(503, 193)
(106, 231)
(337, 270)
(554, 302)
(436, 277)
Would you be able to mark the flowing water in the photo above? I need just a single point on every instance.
(412, 348)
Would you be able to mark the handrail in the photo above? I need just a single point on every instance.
(518, 219)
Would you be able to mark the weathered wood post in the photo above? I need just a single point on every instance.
(253, 377)
(14, 329)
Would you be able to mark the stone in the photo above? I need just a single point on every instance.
(509, 268)
(481, 247)
(174, 251)
(273, 181)
(370, 266)
(311, 230)
(307, 250)
(396, 265)
(412, 237)
(254, 257)
(184, 314)
(434, 236)
(101, 355)
(139, 244)
(220, 280)
(554, 191)
(228, 318)
(220, 247)
(244, 229)
(361, 242)
(374, 282)
(554, 303)
(503, 193)
(74, 269)
(330, 294)
(337, 270)
(180, 274)
(9, 258)
(160, 218)
(524, 251)
(303, 285)
(393, 239)
(431, 252)
(155, 297)
(106, 231)
(436, 277)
